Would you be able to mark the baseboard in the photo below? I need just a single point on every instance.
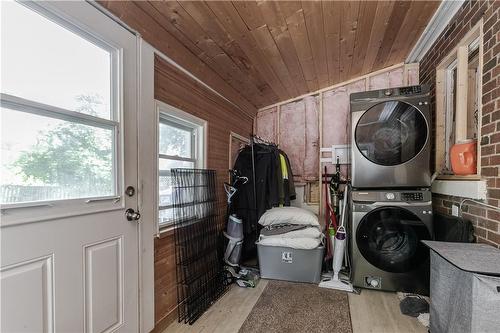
(164, 322)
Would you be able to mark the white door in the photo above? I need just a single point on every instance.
(69, 256)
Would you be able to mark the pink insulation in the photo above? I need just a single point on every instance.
(298, 125)
(266, 124)
(292, 135)
(356, 86)
(413, 76)
(311, 156)
(379, 81)
(335, 117)
(392, 79)
(396, 78)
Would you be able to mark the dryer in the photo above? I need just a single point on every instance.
(386, 231)
(390, 138)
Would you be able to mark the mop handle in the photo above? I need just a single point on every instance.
(344, 205)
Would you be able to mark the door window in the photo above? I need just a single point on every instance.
(391, 133)
(389, 238)
(58, 112)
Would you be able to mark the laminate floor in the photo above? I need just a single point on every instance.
(371, 312)
(226, 315)
(377, 311)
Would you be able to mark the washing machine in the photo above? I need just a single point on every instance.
(385, 246)
(390, 138)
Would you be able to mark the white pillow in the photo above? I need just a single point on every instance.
(294, 243)
(309, 232)
(288, 215)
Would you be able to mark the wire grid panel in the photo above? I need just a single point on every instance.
(198, 242)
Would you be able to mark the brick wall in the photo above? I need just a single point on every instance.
(486, 221)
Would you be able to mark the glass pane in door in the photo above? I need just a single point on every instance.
(389, 238)
(46, 159)
(45, 62)
(391, 133)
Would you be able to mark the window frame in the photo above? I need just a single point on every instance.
(175, 117)
(25, 212)
(450, 108)
(458, 58)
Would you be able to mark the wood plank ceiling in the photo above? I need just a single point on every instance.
(257, 53)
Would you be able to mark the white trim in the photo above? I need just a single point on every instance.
(474, 189)
(437, 24)
(200, 130)
(147, 184)
(199, 125)
(177, 158)
(45, 110)
(112, 16)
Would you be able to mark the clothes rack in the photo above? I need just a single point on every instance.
(261, 160)
(257, 139)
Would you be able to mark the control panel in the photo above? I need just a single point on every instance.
(410, 90)
(412, 196)
(408, 195)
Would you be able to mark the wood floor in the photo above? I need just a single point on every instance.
(371, 311)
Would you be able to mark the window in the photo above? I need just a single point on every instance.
(458, 108)
(180, 145)
(58, 117)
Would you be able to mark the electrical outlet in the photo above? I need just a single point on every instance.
(454, 210)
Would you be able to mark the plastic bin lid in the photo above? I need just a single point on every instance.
(470, 257)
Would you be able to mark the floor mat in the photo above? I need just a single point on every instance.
(299, 307)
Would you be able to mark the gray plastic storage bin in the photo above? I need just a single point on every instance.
(284, 263)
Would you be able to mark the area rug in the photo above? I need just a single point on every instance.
(299, 307)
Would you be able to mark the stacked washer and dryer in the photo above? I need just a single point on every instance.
(391, 206)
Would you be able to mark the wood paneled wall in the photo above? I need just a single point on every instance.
(177, 89)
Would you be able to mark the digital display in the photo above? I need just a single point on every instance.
(412, 196)
(410, 90)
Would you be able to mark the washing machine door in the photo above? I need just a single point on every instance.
(389, 239)
(391, 133)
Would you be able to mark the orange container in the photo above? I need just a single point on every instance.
(463, 157)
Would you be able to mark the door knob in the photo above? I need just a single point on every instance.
(132, 215)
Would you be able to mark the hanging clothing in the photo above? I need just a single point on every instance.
(273, 187)
(288, 185)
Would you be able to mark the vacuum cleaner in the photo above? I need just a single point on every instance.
(243, 277)
(338, 253)
(234, 227)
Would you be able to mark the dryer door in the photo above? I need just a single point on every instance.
(391, 133)
(389, 239)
